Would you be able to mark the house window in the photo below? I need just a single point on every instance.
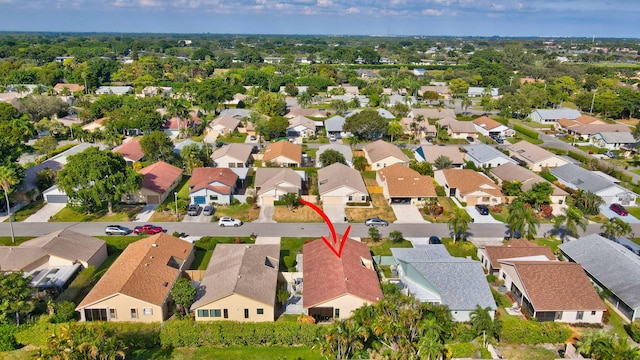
(593, 312)
(363, 198)
(215, 313)
(134, 313)
(246, 313)
(350, 198)
(213, 197)
(113, 314)
(579, 315)
(147, 311)
(226, 313)
(504, 276)
(560, 202)
(260, 311)
(336, 313)
(203, 313)
(377, 164)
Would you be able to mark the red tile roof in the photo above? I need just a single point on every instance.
(160, 176)
(131, 150)
(220, 180)
(327, 277)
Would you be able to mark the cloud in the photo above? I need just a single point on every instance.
(352, 10)
(432, 12)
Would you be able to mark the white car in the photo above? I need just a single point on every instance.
(227, 221)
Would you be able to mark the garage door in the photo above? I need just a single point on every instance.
(57, 199)
(267, 200)
(332, 200)
(153, 199)
(401, 200)
(199, 199)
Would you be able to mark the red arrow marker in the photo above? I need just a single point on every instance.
(338, 251)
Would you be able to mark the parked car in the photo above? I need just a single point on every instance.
(375, 221)
(252, 137)
(193, 210)
(208, 210)
(116, 230)
(618, 209)
(332, 137)
(434, 240)
(227, 221)
(611, 154)
(147, 229)
(482, 209)
(470, 139)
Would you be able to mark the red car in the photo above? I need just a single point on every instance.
(619, 209)
(147, 229)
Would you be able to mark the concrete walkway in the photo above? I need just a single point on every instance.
(145, 213)
(265, 240)
(46, 212)
(266, 214)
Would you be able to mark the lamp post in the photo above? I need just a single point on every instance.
(593, 100)
(175, 196)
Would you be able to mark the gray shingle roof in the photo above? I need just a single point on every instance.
(334, 124)
(558, 114)
(617, 137)
(483, 153)
(611, 264)
(581, 178)
(345, 150)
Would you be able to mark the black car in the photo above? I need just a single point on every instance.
(434, 240)
(482, 209)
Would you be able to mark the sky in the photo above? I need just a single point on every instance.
(545, 18)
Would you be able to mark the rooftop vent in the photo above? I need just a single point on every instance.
(154, 245)
(165, 284)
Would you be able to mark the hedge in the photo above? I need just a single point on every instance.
(548, 176)
(7, 339)
(634, 330)
(531, 332)
(187, 333)
(526, 131)
(582, 158)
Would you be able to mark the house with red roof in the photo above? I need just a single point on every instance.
(131, 151)
(173, 125)
(336, 286)
(212, 185)
(159, 181)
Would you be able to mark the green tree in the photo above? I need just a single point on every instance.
(443, 162)
(615, 227)
(343, 339)
(95, 179)
(482, 323)
(291, 89)
(179, 108)
(588, 202)
(459, 224)
(458, 87)
(86, 341)
(522, 220)
(183, 293)
(16, 297)
(396, 236)
(511, 188)
(8, 178)
(422, 167)
(273, 128)
(270, 104)
(367, 124)
(331, 156)
(374, 233)
(305, 99)
(157, 146)
(572, 219)
(45, 179)
(45, 145)
(194, 156)
(291, 200)
(394, 129)
(538, 195)
(360, 163)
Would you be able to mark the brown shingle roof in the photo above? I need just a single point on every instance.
(557, 285)
(143, 271)
(160, 176)
(238, 151)
(530, 152)
(206, 177)
(380, 150)
(589, 129)
(131, 150)
(226, 122)
(486, 122)
(283, 148)
(284, 179)
(468, 181)
(72, 87)
(402, 181)
(515, 249)
(431, 153)
(337, 175)
(296, 111)
(512, 172)
(327, 277)
(301, 120)
(432, 113)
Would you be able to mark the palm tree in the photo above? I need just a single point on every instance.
(304, 99)
(178, 108)
(360, 163)
(443, 162)
(8, 178)
(571, 220)
(459, 223)
(481, 322)
(394, 128)
(522, 220)
(465, 103)
(615, 227)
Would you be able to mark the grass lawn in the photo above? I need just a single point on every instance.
(244, 212)
(527, 353)
(380, 209)
(635, 211)
(6, 240)
(120, 214)
(28, 210)
(520, 136)
(383, 247)
(500, 216)
(229, 353)
(460, 248)
(553, 244)
(169, 204)
(449, 208)
(234, 137)
(290, 246)
(201, 259)
(590, 149)
(288, 318)
(369, 175)
(281, 213)
(616, 323)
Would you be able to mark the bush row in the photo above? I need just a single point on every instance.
(526, 131)
(185, 333)
(634, 330)
(531, 332)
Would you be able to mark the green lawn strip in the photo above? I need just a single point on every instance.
(6, 240)
(617, 323)
(28, 210)
(235, 211)
(460, 248)
(520, 136)
(290, 246)
(121, 213)
(383, 247)
(368, 174)
(502, 300)
(232, 138)
(553, 244)
(528, 353)
(201, 259)
(288, 318)
(635, 211)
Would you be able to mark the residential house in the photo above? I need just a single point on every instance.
(340, 184)
(70, 88)
(334, 287)
(233, 155)
(366, 74)
(96, 125)
(485, 156)
(223, 125)
(536, 158)
(53, 260)
(418, 128)
(237, 99)
(553, 291)
(117, 90)
(612, 267)
(442, 91)
(402, 185)
(491, 128)
(565, 124)
(301, 126)
(433, 276)
(575, 177)
(178, 146)
(272, 183)
(469, 186)
(458, 129)
(401, 99)
(512, 172)
(432, 113)
(613, 140)
(212, 185)
(298, 111)
(334, 126)
(345, 150)
(348, 89)
(131, 151)
(430, 153)
(160, 179)
(153, 91)
(137, 287)
(381, 154)
(475, 91)
(584, 132)
(174, 126)
(382, 112)
(239, 284)
(553, 115)
(236, 113)
(518, 249)
(283, 153)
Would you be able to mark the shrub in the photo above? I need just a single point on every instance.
(64, 311)
(526, 131)
(548, 176)
(531, 332)
(396, 236)
(374, 233)
(577, 156)
(634, 330)
(289, 261)
(7, 339)
(440, 190)
(462, 350)
(306, 319)
(250, 200)
(485, 354)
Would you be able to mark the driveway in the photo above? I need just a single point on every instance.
(335, 212)
(198, 218)
(266, 214)
(46, 212)
(146, 212)
(407, 214)
(267, 240)
(481, 219)
(629, 219)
